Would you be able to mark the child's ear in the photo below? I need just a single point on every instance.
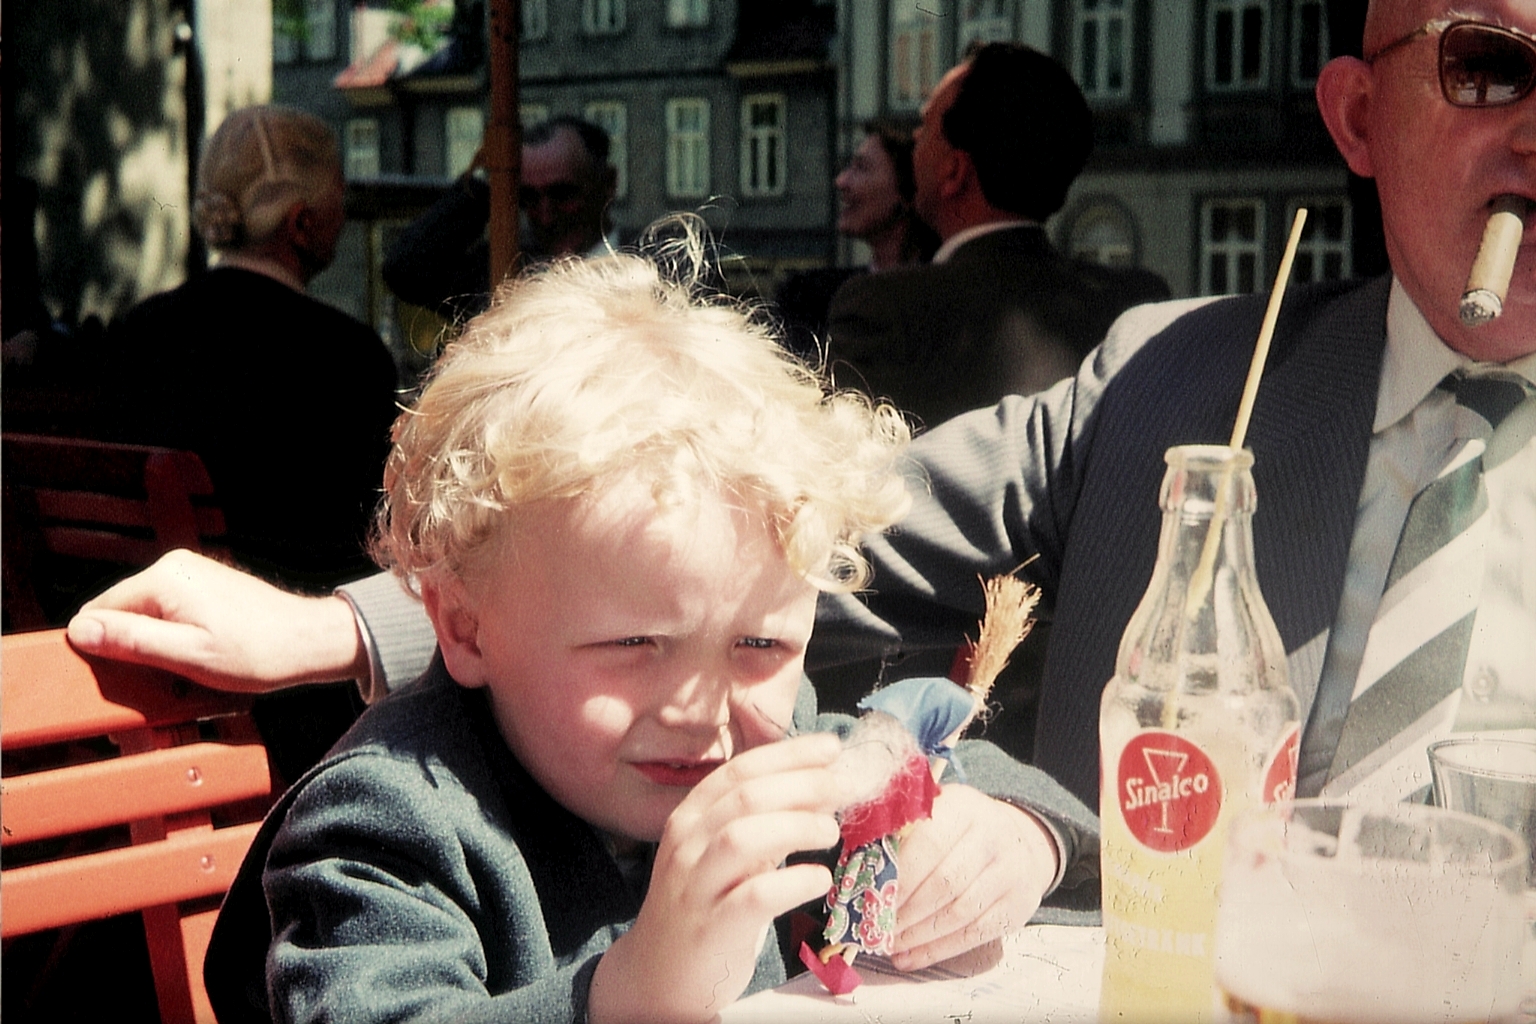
(457, 624)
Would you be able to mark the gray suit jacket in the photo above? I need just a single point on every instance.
(1071, 476)
(1007, 314)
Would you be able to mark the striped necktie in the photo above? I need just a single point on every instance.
(1409, 687)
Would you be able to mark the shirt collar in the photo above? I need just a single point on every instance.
(1416, 361)
(959, 238)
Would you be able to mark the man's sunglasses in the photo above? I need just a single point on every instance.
(1481, 65)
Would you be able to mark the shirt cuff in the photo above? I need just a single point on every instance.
(395, 632)
(1058, 839)
(372, 685)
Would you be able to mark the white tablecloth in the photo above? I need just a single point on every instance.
(1046, 973)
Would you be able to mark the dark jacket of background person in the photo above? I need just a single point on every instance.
(288, 402)
(1006, 314)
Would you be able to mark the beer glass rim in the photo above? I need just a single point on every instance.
(1450, 746)
(1515, 856)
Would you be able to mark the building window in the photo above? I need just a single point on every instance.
(612, 117)
(688, 148)
(535, 19)
(304, 30)
(602, 17)
(687, 13)
(914, 54)
(1105, 234)
(985, 21)
(1103, 34)
(530, 115)
(463, 130)
(1237, 50)
(1231, 246)
(1323, 253)
(762, 145)
(362, 148)
(1309, 40)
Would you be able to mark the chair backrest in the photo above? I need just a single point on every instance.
(95, 502)
(125, 789)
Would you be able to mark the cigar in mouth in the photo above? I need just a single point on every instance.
(1488, 283)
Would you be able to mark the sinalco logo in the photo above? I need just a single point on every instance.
(1169, 791)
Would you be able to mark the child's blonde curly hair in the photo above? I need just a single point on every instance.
(590, 371)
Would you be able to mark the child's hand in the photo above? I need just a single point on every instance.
(717, 884)
(974, 871)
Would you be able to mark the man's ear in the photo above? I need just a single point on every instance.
(1344, 99)
(957, 174)
(457, 624)
(298, 220)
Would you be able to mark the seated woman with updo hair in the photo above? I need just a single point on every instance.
(288, 401)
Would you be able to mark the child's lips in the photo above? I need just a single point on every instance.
(676, 773)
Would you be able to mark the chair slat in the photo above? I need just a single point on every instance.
(52, 696)
(91, 507)
(101, 546)
(184, 867)
(112, 792)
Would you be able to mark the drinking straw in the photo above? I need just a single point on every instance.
(1200, 582)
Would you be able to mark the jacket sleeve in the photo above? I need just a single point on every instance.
(379, 913)
(439, 260)
(993, 490)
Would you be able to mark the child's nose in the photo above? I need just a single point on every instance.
(700, 702)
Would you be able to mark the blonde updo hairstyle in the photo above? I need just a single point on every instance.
(589, 372)
(258, 163)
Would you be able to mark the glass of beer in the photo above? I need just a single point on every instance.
(1330, 912)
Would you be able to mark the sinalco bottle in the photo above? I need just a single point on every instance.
(1198, 723)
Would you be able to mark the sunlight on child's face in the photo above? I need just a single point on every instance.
(629, 652)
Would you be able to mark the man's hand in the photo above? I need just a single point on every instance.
(973, 872)
(717, 884)
(221, 627)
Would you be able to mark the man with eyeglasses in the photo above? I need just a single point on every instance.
(1365, 406)
(566, 188)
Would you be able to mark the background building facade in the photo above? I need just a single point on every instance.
(1208, 135)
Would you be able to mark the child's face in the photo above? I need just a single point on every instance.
(628, 651)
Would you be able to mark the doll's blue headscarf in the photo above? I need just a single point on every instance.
(929, 706)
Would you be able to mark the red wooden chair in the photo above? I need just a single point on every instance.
(95, 502)
(155, 817)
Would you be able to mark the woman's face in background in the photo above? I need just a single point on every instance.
(868, 199)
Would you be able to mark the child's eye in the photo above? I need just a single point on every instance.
(759, 643)
(632, 641)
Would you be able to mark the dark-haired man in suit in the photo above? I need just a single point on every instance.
(999, 311)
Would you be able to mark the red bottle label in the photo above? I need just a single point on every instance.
(1280, 778)
(1169, 790)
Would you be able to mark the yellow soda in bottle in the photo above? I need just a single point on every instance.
(1198, 723)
